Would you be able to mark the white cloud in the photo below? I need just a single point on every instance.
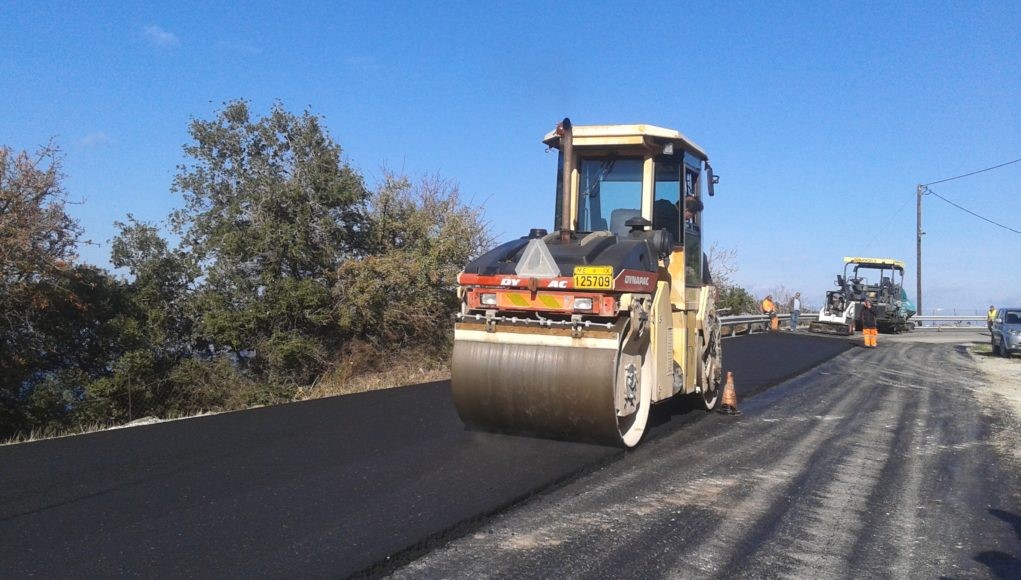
(159, 37)
(97, 139)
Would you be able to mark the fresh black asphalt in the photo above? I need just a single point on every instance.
(326, 488)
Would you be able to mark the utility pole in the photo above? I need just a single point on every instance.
(918, 251)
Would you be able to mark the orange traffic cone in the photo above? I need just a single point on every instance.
(729, 405)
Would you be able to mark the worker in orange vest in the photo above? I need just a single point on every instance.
(769, 309)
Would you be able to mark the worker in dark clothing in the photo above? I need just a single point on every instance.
(868, 324)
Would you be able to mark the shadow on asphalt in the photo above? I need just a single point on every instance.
(1011, 518)
(758, 362)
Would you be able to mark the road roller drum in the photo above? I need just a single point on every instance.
(549, 384)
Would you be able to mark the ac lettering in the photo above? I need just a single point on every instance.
(557, 284)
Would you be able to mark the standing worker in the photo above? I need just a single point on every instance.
(769, 309)
(990, 317)
(868, 324)
(795, 311)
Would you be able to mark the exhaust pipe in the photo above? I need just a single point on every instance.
(567, 155)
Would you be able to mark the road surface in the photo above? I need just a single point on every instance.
(880, 463)
(366, 483)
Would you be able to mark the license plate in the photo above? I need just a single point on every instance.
(593, 277)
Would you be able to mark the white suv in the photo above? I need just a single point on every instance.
(1006, 331)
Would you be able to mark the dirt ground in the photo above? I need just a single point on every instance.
(1004, 389)
(1005, 377)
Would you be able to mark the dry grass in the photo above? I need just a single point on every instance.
(345, 378)
(982, 348)
(398, 371)
(39, 434)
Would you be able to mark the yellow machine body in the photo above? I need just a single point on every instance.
(577, 333)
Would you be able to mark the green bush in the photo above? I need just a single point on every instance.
(292, 359)
(288, 267)
(737, 300)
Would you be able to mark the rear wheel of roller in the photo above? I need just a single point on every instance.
(709, 371)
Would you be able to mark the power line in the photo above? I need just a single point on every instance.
(927, 190)
(923, 189)
(893, 215)
(973, 173)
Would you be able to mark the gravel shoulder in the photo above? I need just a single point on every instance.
(1002, 390)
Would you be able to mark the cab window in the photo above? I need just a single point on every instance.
(611, 193)
(692, 222)
(692, 256)
(666, 212)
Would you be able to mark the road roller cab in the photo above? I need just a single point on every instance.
(577, 333)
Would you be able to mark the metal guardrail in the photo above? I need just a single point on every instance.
(945, 321)
(753, 323)
(949, 318)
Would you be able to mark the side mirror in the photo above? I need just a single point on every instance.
(712, 178)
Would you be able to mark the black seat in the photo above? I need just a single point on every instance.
(618, 217)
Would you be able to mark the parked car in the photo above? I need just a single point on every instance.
(1006, 332)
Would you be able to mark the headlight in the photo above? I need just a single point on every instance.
(487, 299)
(583, 304)
(1015, 332)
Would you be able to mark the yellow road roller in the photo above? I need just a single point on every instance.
(574, 334)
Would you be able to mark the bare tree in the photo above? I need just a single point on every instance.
(37, 237)
(35, 231)
(722, 265)
(782, 298)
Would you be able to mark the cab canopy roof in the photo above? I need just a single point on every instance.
(875, 262)
(625, 135)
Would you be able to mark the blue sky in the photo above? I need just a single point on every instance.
(821, 118)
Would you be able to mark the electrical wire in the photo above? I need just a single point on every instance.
(972, 173)
(885, 227)
(929, 191)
